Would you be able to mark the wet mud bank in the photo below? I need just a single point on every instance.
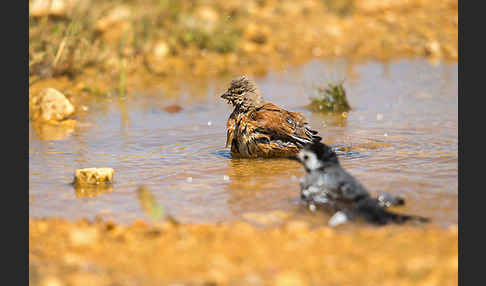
(121, 47)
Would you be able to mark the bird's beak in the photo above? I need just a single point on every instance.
(295, 158)
(225, 95)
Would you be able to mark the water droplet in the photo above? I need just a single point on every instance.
(210, 123)
(189, 180)
(379, 116)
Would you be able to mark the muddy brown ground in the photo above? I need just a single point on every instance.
(102, 253)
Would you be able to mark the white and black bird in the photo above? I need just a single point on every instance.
(328, 185)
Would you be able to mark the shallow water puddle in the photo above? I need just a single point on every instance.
(402, 135)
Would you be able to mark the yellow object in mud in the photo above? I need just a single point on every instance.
(94, 176)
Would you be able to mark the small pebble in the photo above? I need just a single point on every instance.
(81, 237)
(174, 108)
(189, 179)
(93, 176)
(289, 278)
(379, 116)
(337, 219)
(51, 281)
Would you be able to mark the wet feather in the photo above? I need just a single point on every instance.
(257, 128)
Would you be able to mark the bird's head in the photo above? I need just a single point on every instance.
(243, 93)
(316, 156)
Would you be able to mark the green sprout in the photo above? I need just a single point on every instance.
(149, 204)
(340, 7)
(122, 80)
(330, 99)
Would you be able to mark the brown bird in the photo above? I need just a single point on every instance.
(257, 128)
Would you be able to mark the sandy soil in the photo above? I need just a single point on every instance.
(103, 253)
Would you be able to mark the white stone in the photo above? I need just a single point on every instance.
(50, 104)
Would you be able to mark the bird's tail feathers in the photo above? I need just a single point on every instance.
(372, 211)
(316, 138)
(401, 218)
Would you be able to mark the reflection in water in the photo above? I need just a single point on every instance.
(262, 184)
(88, 191)
(386, 69)
(249, 174)
(400, 137)
(125, 119)
(46, 131)
(332, 119)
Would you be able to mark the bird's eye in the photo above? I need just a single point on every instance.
(306, 157)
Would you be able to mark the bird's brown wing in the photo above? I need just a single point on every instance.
(230, 128)
(277, 124)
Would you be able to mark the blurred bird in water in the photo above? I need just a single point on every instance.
(328, 185)
(257, 128)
